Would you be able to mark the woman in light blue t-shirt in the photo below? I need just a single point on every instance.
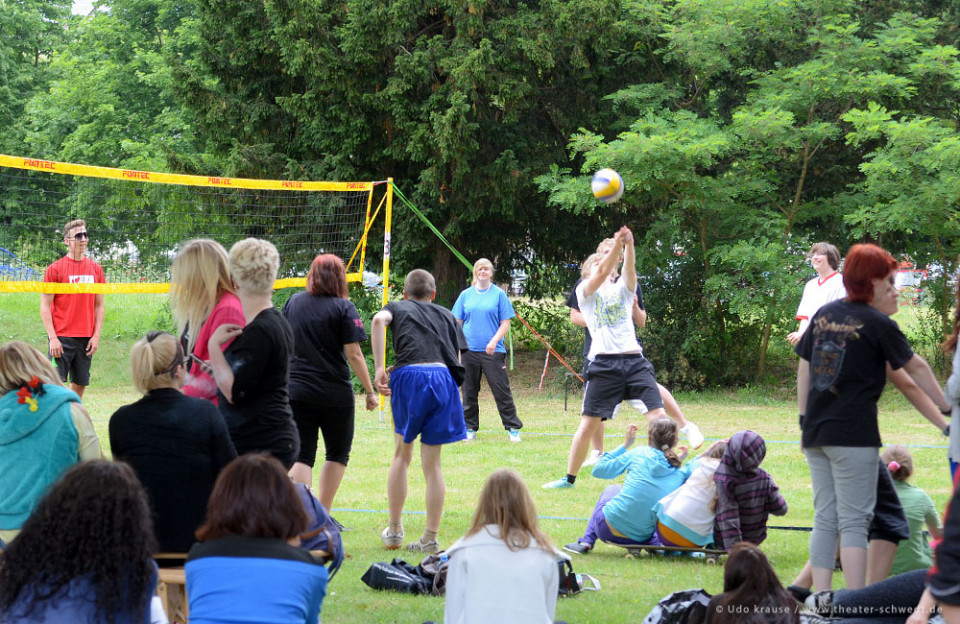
(485, 312)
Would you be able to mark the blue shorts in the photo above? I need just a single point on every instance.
(426, 402)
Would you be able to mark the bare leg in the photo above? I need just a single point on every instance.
(805, 578)
(854, 562)
(597, 440)
(436, 488)
(880, 556)
(397, 478)
(78, 389)
(581, 442)
(656, 414)
(951, 613)
(302, 473)
(331, 474)
(672, 407)
(822, 578)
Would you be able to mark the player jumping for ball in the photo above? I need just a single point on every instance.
(618, 371)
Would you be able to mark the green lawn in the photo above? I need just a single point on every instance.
(630, 586)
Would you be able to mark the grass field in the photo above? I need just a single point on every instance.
(630, 587)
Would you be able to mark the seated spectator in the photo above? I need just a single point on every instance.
(746, 493)
(913, 553)
(84, 555)
(624, 515)
(685, 517)
(247, 566)
(176, 444)
(752, 593)
(505, 569)
(39, 418)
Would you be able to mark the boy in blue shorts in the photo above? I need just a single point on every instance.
(424, 397)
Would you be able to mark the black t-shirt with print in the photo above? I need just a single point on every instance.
(587, 338)
(848, 346)
(321, 324)
(426, 332)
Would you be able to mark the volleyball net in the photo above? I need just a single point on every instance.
(138, 220)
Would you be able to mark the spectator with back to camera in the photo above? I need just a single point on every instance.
(176, 444)
(846, 355)
(73, 321)
(43, 431)
(252, 374)
(202, 299)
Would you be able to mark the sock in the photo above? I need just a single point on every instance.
(571, 478)
(429, 536)
(396, 527)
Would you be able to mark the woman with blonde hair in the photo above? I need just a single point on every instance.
(176, 444)
(201, 300)
(485, 312)
(506, 555)
(43, 431)
(252, 374)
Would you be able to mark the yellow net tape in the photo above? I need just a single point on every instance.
(52, 288)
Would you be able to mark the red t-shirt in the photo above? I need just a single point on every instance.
(73, 315)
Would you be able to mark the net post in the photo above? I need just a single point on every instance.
(388, 221)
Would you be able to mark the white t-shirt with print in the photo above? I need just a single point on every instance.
(608, 314)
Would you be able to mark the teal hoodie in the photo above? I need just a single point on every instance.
(35, 449)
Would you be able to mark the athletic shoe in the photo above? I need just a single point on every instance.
(513, 435)
(431, 548)
(799, 593)
(692, 432)
(471, 435)
(578, 548)
(592, 458)
(820, 603)
(559, 484)
(392, 541)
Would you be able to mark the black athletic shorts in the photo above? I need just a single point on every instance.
(612, 379)
(74, 363)
(335, 422)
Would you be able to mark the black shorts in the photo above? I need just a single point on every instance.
(889, 522)
(612, 379)
(335, 422)
(74, 363)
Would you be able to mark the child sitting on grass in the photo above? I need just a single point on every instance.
(913, 553)
(624, 515)
(746, 493)
(685, 517)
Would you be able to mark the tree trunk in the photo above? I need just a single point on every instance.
(764, 344)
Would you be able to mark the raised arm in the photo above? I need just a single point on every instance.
(603, 270)
(629, 271)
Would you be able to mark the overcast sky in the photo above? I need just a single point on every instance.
(82, 7)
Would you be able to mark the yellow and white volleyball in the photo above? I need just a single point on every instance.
(607, 185)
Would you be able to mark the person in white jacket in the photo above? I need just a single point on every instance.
(685, 516)
(504, 569)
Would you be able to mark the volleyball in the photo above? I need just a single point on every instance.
(607, 185)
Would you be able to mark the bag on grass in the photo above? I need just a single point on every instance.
(435, 567)
(683, 607)
(323, 533)
(398, 575)
(572, 583)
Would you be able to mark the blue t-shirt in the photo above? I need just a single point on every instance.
(482, 313)
(246, 579)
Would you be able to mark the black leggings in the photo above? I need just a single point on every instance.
(335, 422)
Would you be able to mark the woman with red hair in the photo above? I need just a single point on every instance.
(846, 356)
(327, 331)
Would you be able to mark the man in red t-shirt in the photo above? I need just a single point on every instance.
(73, 321)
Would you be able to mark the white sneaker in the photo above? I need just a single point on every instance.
(513, 435)
(471, 435)
(692, 432)
(592, 458)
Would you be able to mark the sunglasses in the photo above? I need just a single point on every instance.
(81, 236)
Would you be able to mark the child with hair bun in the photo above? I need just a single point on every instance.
(624, 514)
(913, 553)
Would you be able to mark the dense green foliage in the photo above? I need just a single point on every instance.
(745, 131)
